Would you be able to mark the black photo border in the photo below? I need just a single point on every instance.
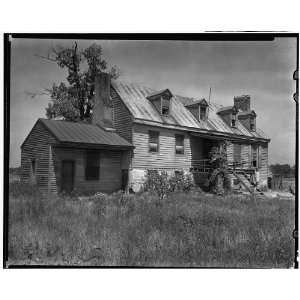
(207, 36)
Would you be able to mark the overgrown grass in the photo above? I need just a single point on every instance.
(184, 230)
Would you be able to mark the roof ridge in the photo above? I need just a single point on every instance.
(141, 85)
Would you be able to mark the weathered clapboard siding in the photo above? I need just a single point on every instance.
(246, 158)
(110, 170)
(121, 117)
(263, 152)
(245, 153)
(36, 147)
(166, 157)
(52, 184)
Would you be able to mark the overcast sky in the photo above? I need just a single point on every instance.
(264, 70)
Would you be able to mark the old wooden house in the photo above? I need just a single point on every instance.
(135, 129)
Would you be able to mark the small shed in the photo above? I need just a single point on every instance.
(66, 156)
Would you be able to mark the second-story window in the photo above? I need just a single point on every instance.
(165, 107)
(233, 120)
(179, 144)
(153, 141)
(252, 124)
(202, 113)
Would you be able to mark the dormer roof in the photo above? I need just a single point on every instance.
(227, 110)
(247, 113)
(201, 102)
(164, 93)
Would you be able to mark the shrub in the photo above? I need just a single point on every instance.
(162, 184)
(20, 189)
(219, 180)
(158, 183)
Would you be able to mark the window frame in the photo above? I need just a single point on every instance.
(33, 167)
(237, 152)
(183, 138)
(149, 141)
(233, 120)
(203, 109)
(89, 177)
(165, 101)
(252, 124)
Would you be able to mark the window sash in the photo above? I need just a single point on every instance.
(153, 141)
(202, 113)
(179, 144)
(92, 168)
(237, 153)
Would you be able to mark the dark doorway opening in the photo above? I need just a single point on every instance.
(67, 176)
(124, 179)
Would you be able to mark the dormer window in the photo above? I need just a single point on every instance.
(248, 119)
(165, 107)
(233, 120)
(203, 113)
(252, 124)
(199, 109)
(161, 101)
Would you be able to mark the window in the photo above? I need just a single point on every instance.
(202, 113)
(165, 111)
(233, 120)
(153, 141)
(179, 144)
(252, 124)
(33, 167)
(237, 153)
(255, 156)
(165, 107)
(92, 166)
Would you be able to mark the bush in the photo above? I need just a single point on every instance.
(20, 189)
(219, 179)
(162, 184)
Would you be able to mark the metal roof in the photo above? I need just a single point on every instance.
(135, 96)
(82, 133)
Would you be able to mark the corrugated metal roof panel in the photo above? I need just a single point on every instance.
(74, 132)
(134, 97)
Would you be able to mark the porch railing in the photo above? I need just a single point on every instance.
(200, 165)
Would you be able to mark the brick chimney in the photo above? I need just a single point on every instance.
(242, 102)
(102, 110)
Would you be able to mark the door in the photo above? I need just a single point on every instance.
(124, 180)
(67, 176)
(255, 156)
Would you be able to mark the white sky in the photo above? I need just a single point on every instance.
(263, 70)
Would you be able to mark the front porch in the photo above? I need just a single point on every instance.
(241, 169)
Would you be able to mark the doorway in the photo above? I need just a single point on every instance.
(67, 176)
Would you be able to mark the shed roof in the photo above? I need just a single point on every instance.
(134, 96)
(83, 133)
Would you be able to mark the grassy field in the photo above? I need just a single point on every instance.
(185, 230)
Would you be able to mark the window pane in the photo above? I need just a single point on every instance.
(92, 165)
(202, 113)
(237, 152)
(179, 144)
(153, 141)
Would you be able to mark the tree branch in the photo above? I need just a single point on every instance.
(46, 58)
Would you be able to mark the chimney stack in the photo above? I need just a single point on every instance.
(102, 110)
(242, 102)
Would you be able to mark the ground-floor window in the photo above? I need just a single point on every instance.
(255, 156)
(92, 167)
(237, 153)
